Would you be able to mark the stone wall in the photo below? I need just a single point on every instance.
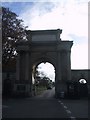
(77, 74)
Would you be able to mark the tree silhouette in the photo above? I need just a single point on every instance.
(13, 31)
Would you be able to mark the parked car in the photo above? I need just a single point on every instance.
(49, 87)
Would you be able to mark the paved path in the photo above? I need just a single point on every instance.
(78, 108)
(42, 106)
(45, 106)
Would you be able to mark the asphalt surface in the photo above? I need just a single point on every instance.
(45, 106)
(79, 108)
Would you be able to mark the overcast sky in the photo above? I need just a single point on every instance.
(69, 15)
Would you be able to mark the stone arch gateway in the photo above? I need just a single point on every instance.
(43, 46)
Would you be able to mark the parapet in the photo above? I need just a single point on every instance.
(44, 35)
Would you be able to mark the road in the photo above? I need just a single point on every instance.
(41, 106)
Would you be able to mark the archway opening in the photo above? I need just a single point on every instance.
(82, 81)
(83, 88)
(43, 77)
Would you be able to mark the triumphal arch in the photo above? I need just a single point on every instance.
(43, 46)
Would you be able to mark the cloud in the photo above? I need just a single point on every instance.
(18, 0)
(47, 69)
(78, 1)
(71, 17)
(79, 56)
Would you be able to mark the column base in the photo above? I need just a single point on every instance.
(60, 90)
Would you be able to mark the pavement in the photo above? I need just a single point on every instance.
(45, 106)
(78, 108)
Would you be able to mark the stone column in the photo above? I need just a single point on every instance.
(63, 72)
(58, 75)
(22, 66)
(58, 66)
(23, 81)
(68, 55)
(27, 67)
(17, 73)
(66, 65)
(18, 67)
(30, 74)
(26, 73)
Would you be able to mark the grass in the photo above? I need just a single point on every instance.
(40, 89)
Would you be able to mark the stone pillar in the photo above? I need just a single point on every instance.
(23, 83)
(17, 73)
(28, 74)
(58, 75)
(66, 65)
(22, 66)
(58, 66)
(63, 71)
(18, 67)
(27, 66)
(68, 55)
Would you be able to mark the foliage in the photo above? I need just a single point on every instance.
(40, 74)
(40, 89)
(13, 31)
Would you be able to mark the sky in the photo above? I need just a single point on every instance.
(48, 70)
(69, 15)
